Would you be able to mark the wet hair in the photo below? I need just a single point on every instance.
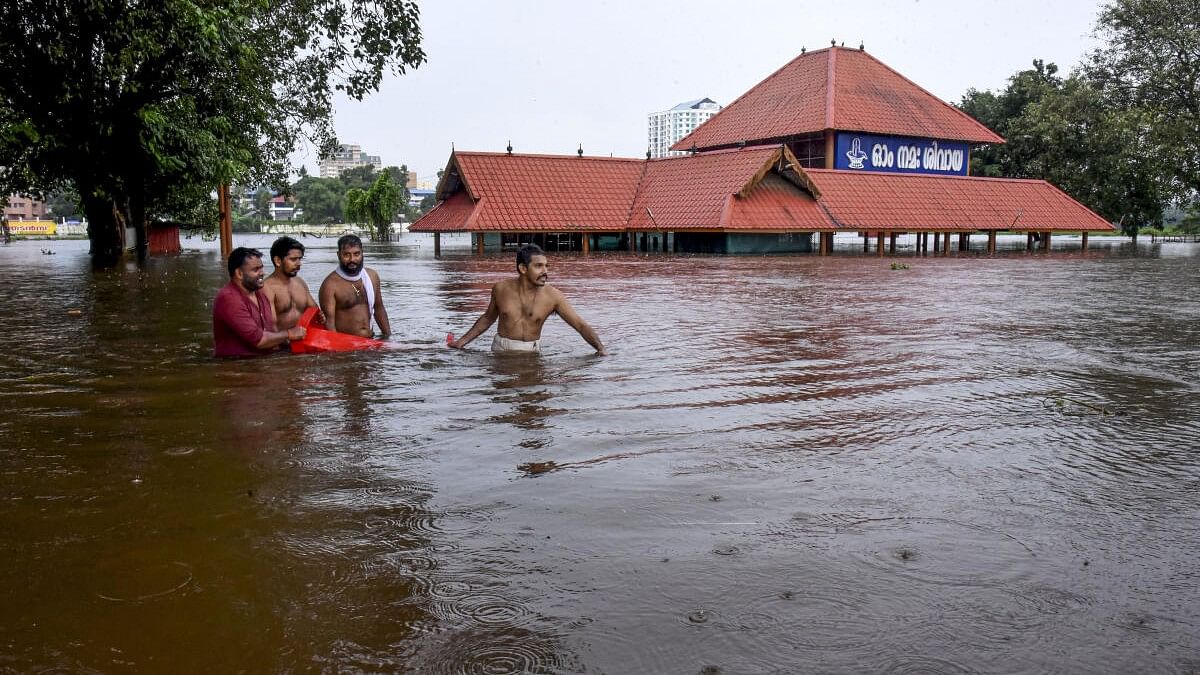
(348, 240)
(526, 253)
(238, 257)
(283, 246)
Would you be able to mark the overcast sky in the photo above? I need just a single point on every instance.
(552, 74)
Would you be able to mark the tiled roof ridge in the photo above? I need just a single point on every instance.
(478, 153)
(830, 76)
(925, 91)
(637, 192)
(751, 90)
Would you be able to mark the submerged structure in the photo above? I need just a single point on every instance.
(834, 141)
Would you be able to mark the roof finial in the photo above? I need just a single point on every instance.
(510, 146)
(647, 153)
(803, 49)
(843, 44)
(580, 151)
(833, 42)
(861, 46)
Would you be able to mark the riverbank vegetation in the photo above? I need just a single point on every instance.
(1121, 133)
(145, 108)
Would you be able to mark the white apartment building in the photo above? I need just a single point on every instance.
(668, 126)
(347, 157)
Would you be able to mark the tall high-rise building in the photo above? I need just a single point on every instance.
(347, 157)
(668, 126)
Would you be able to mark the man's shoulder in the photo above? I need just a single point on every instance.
(225, 294)
(272, 282)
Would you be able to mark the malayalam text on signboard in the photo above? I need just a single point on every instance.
(866, 152)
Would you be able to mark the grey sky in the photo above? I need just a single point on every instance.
(551, 74)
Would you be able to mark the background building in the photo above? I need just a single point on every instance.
(668, 126)
(347, 157)
(24, 208)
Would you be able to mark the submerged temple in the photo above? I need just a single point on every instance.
(834, 141)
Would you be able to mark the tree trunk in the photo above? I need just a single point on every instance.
(137, 218)
(106, 229)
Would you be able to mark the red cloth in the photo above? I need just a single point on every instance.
(239, 322)
(318, 339)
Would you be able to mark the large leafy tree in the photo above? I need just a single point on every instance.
(1070, 132)
(144, 108)
(1151, 61)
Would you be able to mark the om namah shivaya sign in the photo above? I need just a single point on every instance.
(867, 152)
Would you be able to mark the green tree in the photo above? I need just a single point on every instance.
(1071, 133)
(361, 177)
(997, 111)
(144, 108)
(322, 199)
(62, 203)
(375, 207)
(262, 203)
(1151, 61)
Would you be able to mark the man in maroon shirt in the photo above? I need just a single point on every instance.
(243, 320)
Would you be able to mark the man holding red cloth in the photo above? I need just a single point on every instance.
(243, 319)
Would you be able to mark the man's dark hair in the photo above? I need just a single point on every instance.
(283, 246)
(526, 253)
(349, 240)
(239, 256)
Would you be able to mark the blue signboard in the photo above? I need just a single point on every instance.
(864, 152)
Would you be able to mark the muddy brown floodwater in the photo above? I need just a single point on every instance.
(787, 464)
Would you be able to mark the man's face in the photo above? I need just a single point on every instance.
(251, 274)
(350, 259)
(537, 271)
(290, 264)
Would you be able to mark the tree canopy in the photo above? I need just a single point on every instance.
(376, 206)
(1151, 61)
(144, 108)
(323, 200)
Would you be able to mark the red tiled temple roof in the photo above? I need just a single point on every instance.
(513, 193)
(893, 201)
(720, 190)
(496, 192)
(839, 89)
(749, 190)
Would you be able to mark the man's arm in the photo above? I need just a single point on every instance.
(328, 304)
(381, 317)
(268, 290)
(238, 318)
(312, 302)
(274, 339)
(481, 324)
(564, 309)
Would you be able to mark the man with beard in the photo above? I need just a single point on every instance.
(523, 304)
(243, 321)
(288, 293)
(350, 295)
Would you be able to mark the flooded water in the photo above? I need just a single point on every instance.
(786, 464)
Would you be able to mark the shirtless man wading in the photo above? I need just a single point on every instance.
(523, 304)
(288, 293)
(350, 295)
